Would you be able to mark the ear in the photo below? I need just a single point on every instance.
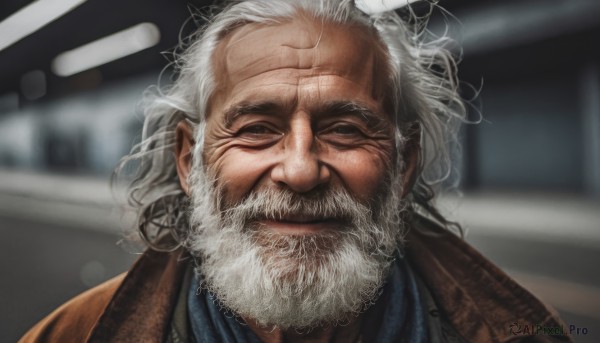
(411, 157)
(184, 143)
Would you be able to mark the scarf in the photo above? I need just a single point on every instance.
(404, 317)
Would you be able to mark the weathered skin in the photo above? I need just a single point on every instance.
(298, 67)
(278, 119)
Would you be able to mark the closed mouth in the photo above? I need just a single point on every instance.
(301, 225)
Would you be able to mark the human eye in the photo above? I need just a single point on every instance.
(345, 130)
(343, 134)
(258, 134)
(256, 129)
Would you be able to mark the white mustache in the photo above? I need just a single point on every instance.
(285, 205)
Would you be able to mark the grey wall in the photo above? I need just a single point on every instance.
(531, 134)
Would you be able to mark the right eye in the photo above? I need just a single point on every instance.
(258, 134)
(255, 129)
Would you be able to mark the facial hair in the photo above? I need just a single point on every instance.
(294, 281)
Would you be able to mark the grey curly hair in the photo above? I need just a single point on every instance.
(423, 89)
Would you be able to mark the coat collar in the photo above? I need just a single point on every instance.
(479, 299)
(142, 306)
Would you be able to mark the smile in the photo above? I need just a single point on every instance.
(302, 225)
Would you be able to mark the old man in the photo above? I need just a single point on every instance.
(285, 190)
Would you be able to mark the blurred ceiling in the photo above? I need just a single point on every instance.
(88, 22)
(554, 27)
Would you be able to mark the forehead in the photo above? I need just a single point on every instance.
(300, 47)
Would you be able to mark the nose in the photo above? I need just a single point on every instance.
(300, 168)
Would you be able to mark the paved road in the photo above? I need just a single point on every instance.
(43, 265)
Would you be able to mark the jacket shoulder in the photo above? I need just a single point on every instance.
(479, 300)
(74, 320)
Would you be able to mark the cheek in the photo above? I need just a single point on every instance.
(239, 171)
(361, 171)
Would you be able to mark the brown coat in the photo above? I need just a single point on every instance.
(476, 297)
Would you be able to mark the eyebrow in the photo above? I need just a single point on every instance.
(352, 108)
(235, 111)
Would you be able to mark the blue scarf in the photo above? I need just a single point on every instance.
(404, 318)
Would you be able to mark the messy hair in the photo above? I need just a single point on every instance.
(422, 91)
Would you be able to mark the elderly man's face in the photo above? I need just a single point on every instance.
(308, 183)
(299, 106)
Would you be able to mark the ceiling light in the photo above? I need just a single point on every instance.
(107, 49)
(378, 6)
(33, 17)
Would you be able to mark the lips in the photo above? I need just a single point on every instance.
(303, 219)
(301, 225)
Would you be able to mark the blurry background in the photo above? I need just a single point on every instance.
(72, 73)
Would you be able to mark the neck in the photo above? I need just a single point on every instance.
(335, 334)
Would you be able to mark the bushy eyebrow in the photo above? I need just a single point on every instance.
(351, 108)
(237, 110)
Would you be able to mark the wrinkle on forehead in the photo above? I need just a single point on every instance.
(256, 48)
(302, 44)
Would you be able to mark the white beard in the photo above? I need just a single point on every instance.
(289, 281)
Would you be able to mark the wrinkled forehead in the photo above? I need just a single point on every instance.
(302, 43)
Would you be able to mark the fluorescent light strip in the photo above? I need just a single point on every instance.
(31, 18)
(378, 6)
(107, 49)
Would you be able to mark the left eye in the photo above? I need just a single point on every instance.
(345, 130)
(256, 130)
